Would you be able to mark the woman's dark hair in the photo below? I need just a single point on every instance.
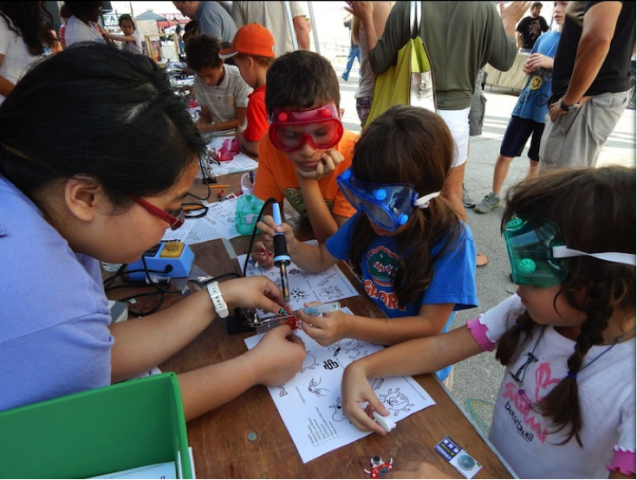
(414, 146)
(300, 80)
(125, 17)
(97, 111)
(28, 20)
(595, 211)
(83, 9)
(202, 51)
(65, 11)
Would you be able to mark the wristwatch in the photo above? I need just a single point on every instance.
(568, 108)
(217, 300)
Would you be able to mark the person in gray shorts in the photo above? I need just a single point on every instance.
(586, 106)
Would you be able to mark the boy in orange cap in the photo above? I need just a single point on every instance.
(253, 52)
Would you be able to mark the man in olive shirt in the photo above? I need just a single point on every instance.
(460, 38)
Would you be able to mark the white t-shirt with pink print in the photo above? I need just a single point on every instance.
(526, 439)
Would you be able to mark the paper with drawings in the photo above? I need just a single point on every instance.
(327, 286)
(218, 223)
(310, 403)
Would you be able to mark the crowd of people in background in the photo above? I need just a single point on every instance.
(393, 194)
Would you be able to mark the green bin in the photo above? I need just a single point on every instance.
(127, 425)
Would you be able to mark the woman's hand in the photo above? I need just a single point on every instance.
(269, 228)
(355, 389)
(253, 292)
(327, 329)
(326, 165)
(262, 255)
(277, 357)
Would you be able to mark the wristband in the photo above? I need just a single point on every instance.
(217, 299)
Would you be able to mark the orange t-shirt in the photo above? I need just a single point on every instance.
(276, 177)
(256, 115)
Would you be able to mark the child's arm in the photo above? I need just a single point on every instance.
(309, 257)
(237, 121)
(250, 147)
(324, 223)
(205, 119)
(333, 327)
(422, 355)
(120, 38)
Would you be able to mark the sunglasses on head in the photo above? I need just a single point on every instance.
(321, 127)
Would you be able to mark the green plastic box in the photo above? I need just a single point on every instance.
(100, 431)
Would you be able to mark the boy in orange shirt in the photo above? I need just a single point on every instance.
(306, 147)
(253, 52)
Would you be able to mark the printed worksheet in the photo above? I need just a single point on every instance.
(324, 287)
(310, 403)
(218, 223)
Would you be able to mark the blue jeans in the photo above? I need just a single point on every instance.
(354, 53)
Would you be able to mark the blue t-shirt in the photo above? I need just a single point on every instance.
(54, 336)
(533, 102)
(453, 280)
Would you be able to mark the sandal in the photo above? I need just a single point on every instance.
(481, 260)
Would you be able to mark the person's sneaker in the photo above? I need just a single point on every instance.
(488, 203)
(467, 201)
(344, 78)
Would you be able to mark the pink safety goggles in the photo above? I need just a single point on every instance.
(320, 127)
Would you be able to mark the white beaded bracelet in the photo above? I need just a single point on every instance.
(217, 299)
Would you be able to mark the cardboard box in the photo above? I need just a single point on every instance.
(122, 426)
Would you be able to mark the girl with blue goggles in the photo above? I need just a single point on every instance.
(388, 205)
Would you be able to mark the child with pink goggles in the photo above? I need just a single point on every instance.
(321, 127)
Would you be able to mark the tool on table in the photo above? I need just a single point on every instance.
(316, 310)
(266, 324)
(281, 257)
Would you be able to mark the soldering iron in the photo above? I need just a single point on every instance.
(281, 257)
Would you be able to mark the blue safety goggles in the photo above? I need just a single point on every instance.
(387, 205)
(537, 252)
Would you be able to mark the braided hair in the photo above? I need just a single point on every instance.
(606, 197)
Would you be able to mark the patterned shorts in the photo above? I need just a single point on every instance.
(363, 105)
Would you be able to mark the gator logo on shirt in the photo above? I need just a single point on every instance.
(382, 265)
(295, 197)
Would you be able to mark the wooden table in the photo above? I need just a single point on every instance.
(246, 438)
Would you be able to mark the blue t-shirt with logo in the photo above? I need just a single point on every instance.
(453, 280)
(533, 103)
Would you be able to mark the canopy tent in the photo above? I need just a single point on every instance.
(149, 15)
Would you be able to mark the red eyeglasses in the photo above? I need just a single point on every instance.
(174, 219)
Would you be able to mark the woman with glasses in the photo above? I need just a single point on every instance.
(96, 156)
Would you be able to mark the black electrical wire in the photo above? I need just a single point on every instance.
(269, 201)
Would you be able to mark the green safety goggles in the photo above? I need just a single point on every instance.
(537, 252)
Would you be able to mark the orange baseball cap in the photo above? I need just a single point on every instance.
(251, 39)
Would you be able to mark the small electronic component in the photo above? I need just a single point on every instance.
(379, 467)
(266, 324)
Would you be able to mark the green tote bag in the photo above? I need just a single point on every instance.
(410, 80)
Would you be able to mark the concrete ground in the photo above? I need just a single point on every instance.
(477, 379)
